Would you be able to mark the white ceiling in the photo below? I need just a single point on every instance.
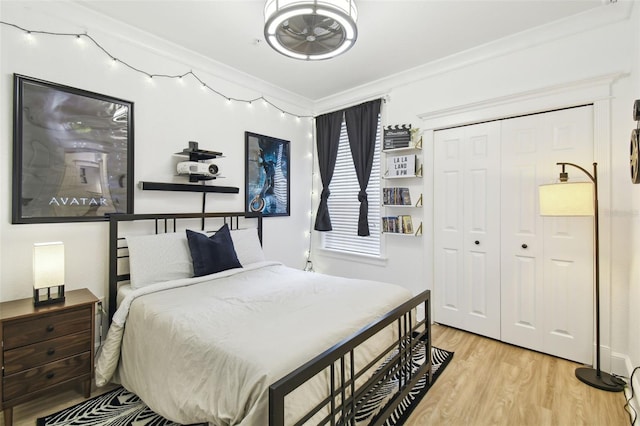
(393, 36)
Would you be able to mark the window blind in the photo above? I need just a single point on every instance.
(344, 206)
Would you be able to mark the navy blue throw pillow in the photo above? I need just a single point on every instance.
(212, 254)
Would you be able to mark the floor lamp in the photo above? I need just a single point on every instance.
(581, 199)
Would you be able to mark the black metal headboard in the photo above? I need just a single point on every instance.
(162, 223)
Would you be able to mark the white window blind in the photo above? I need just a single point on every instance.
(344, 206)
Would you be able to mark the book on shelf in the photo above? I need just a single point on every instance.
(407, 224)
(396, 196)
(397, 224)
(406, 196)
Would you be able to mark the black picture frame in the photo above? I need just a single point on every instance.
(72, 153)
(267, 177)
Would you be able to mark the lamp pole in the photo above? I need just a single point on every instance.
(591, 377)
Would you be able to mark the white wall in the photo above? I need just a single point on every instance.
(167, 115)
(590, 45)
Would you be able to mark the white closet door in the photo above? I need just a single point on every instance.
(467, 228)
(546, 263)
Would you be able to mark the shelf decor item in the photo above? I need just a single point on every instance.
(267, 188)
(199, 167)
(72, 154)
(401, 166)
(48, 273)
(581, 199)
(397, 136)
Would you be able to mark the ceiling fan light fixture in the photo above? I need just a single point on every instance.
(310, 30)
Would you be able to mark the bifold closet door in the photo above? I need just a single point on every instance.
(467, 228)
(546, 262)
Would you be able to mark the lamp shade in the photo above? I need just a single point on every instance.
(567, 199)
(48, 265)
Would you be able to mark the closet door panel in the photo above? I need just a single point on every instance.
(482, 228)
(568, 241)
(561, 248)
(521, 240)
(448, 232)
(472, 154)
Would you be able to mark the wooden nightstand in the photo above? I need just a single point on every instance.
(45, 348)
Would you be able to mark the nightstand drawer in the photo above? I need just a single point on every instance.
(21, 333)
(26, 357)
(35, 379)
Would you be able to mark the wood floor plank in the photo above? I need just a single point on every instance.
(486, 383)
(493, 383)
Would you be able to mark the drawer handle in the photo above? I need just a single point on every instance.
(50, 375)
(51, 351)
(524, 246)
(476, 242)
(50, 328)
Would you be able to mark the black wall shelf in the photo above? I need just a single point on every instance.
(185, 187)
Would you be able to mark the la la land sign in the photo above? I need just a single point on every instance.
(401, 165)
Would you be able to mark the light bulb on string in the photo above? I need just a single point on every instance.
(84, 39)
(29, 37)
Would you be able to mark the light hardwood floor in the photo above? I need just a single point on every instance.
(492, 383)
(486, 383)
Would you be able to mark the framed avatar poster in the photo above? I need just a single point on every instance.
(72, 153)
(267, 185)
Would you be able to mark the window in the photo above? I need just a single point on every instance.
(344, 206)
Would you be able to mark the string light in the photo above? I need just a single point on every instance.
(308, 266)
(115, 61)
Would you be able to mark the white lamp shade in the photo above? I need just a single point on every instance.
(48, 265)
(567, 199)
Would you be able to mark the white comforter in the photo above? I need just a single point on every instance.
(206, 349)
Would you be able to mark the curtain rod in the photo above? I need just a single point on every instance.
(383, 96)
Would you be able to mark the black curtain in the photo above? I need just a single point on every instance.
(362, 128)
(328, 139)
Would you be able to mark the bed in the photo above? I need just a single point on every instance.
(252, 342)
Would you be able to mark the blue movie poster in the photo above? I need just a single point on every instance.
(267, 175)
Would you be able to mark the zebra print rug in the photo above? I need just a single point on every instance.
(120, 407)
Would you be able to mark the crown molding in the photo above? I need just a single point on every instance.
(595, 18)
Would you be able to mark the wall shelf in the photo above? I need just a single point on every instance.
(185, 187)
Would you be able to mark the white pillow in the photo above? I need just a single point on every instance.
(157, 258)
(247, 246)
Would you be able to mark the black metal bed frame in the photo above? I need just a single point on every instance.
(345, 400)
(349, 390)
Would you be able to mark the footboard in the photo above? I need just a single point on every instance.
(351, 393)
